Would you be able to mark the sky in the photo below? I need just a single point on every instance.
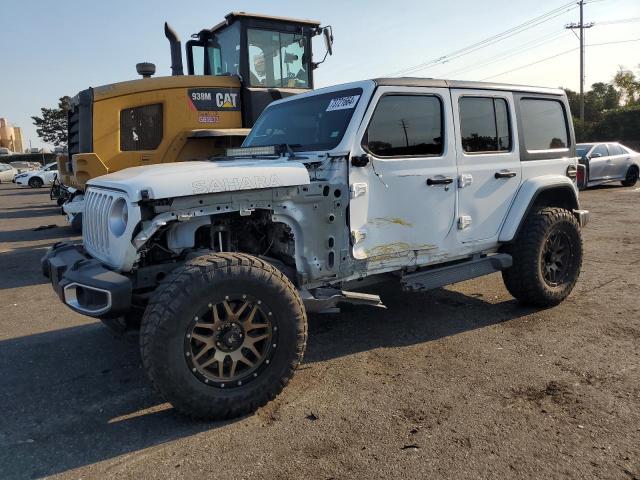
(49, 49)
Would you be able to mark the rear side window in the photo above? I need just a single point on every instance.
(614, 149)
(406, 125)
(484, 124)
(544, 125)
(141, 128)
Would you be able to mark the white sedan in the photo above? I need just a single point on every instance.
(39, 178)
(7, 173)
(608, 162)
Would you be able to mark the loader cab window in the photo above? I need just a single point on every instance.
(277, 59)
(218, 55)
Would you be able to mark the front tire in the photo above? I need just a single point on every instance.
(36, 182)
(547, 258)
(223, 335)
(631, 178)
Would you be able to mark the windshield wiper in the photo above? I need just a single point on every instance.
(288, 148)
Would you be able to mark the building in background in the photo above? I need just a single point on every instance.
(10, 136)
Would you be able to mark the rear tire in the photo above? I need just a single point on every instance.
(36, 182)
(632, 177)
(207, 310)
(547, 258)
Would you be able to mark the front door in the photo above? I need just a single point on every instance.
(488, 161)
(598, 158)
(403, 193)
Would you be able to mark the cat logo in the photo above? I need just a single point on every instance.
(226, 100)
(212, 99)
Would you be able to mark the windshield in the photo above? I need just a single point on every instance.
(277, 59)
(307, 124)
(583, 148)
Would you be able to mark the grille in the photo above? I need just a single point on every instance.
(141, 128)
(74, 130)
(80, 123)
(95, 221)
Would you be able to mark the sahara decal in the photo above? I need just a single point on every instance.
(212, 99)
(231, 184)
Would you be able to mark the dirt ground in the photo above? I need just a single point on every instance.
(460, 382)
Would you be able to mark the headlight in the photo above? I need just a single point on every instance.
(118, 217)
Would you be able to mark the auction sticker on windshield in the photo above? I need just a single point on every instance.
(343, 103)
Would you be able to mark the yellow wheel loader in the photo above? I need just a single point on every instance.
(234, 70)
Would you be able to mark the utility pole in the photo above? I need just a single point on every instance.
(403, 123)
(581, 26)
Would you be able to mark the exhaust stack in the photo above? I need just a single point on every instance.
(176, 50)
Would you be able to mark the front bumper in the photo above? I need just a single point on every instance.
(84, 284)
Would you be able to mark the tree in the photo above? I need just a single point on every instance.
(601, 97)
(52, 125)
(628, 85)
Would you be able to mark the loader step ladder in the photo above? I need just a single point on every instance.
(439, 277)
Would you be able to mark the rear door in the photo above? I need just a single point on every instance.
(489, 170)
(618, 161)
(403, 194)
(598, 162)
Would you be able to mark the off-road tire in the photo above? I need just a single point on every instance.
(525, 279)
(36, 182)
(184, 293)
(631, 178)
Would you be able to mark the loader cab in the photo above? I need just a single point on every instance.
(271, 55)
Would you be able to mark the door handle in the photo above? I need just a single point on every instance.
(505, 174)
(439, 181)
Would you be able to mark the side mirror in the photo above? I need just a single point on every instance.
(595, 155)
(328, 39)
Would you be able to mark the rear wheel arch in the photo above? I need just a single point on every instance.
(561, 195)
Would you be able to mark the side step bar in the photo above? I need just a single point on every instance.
(439, 277)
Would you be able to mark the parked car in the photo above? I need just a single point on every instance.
(38, 178)
(7, 173)
(426, 182)
(23, 167)
(608, 162)
(5, 151)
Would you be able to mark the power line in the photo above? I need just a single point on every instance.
(558, 55)
(490, 40)
(622, 20)
(531, 64)
(509, 53)
(615, 41)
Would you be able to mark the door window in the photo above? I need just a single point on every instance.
(277, 59)
(484, 124)
(601, 150)
(544, 124)
(406, 125)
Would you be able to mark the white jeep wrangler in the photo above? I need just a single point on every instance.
(429, 182)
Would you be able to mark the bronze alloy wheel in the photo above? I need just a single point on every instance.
(229, 344)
